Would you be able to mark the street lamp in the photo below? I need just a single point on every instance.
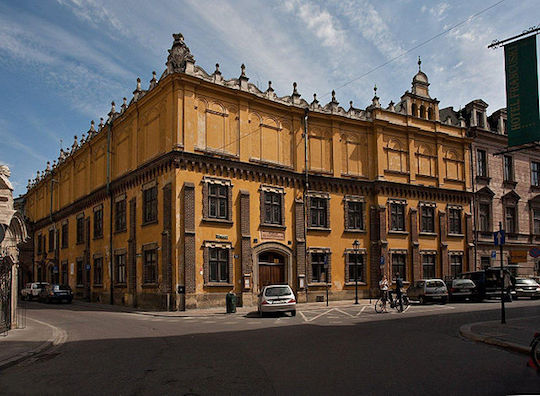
(355, 247)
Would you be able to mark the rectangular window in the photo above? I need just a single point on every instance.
(79, 272)
(80, 230)
(319, 267)
(356, 266)
(120, 216)
(150, 266)
(484, 211)
(456, 265)
(98, 222)
(428, 219)
(51, 240)
(65, 235)
(536, 219)
(218, 201)
(485, 262)
(535, 173)
(218, 265)
(272, 207)
(508, 169)
(454, 221)
(65, 279)
(397, 217)
(481, 163)
(428, 266)
(480, 119)
(510, 220)
(39, 244)
(150, 205)
(98, 271)
(399, 266)
(356, 215)
(120, 268)
(318, 209)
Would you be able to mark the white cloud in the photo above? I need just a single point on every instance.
(439, 11)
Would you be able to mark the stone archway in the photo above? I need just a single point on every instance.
(276, 251)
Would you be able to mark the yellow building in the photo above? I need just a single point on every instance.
(197, 186)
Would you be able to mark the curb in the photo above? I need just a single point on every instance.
(58, 337)
(466, 331)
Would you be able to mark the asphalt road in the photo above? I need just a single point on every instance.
(350, 350)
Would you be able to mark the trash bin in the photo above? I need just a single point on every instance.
(230, 301)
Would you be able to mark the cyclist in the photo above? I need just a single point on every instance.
(383, 285)
(399, 285)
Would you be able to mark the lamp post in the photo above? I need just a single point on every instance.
(355, 246)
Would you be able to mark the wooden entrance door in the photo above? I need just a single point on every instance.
(271, 269)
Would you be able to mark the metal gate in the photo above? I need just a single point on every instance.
(5, 295)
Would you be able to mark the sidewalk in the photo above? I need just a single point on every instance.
(515, 335)
(20, 344)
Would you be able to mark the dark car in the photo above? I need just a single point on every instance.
(56, 293)
(461, 289)
(488, 283)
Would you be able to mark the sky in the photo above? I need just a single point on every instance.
(62, 62)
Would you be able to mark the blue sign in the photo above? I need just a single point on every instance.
(87, 266)
(381, 260)
(499, 237)
(493, 254)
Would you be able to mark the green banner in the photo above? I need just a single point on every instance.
(523, 124)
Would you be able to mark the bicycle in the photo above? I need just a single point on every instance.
(535, 350)
(394, 303)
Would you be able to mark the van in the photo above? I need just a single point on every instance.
(488, 283)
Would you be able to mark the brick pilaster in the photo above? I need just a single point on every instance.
(247, 264)
(166, 264)
(132, 250)
(189, 237)
(468, 266)
(415, 249)
(443, 235)
(300, 239)
(379, 247)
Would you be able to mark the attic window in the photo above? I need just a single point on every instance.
(422, 112)
(430, 114)
(480, 119)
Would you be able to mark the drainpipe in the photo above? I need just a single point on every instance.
(109, 193)
(306, 188)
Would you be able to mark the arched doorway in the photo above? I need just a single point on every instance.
(271, 269)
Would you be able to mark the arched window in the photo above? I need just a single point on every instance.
(422, 112)
(430, 114)
(414, 110)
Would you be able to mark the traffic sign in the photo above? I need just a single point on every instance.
(534, 252)
(493, 253)
(381, 260)
(499, 237)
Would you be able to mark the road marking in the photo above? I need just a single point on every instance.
(343, 312)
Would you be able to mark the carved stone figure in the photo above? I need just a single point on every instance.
(178, 55)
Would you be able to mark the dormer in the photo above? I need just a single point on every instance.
(475, 114)
(497, 121)
(418, 103)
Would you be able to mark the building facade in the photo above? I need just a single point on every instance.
(507, 192)
(202, 185)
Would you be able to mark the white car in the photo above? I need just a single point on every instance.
(32, 290)
(277, 298)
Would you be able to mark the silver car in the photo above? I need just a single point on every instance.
(461, 289)
(277, 298)
(526, 287)
(425, 290)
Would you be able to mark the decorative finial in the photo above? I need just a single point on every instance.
(138, 84)
(54, 164)
(315, 101)
(243, 68)
(101, 123)
(124, 105)
(375, 90)
(419, 64)
(217, 72)
(270, 89)
(295, 91)
(75, 143)
(113, 108)
(48, 166)
(350, 103)
(38, 174)
(179, 56)
(334, 101)
(153, 81)
(83, 138)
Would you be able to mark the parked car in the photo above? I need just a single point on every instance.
(57, 293)
(425, 290)
(461, 289)
(488, 283)
(526, 287)
(31, 290)
(277, 298)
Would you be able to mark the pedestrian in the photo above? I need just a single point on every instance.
(399, 285)
(383, 285)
